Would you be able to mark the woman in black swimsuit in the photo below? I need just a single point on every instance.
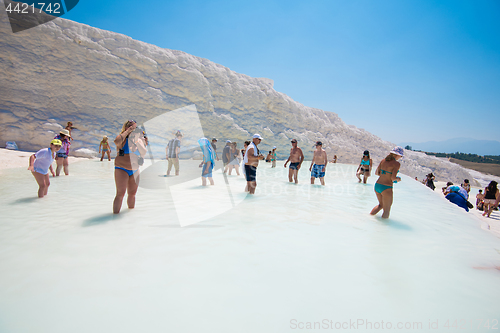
(491, 195)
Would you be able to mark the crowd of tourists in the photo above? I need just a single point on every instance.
(131, 146)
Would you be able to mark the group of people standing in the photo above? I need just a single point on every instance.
(132, 143)
(387, 169)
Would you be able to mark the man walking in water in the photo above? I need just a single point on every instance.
(225, 155)
(251, 160)
(296, 158)
(318, 164)
(173, 149)
(214, 146)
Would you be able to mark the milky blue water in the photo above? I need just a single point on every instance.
(195, 259)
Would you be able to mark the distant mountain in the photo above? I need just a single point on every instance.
(462, 145)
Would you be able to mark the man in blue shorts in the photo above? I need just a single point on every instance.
(318, 164)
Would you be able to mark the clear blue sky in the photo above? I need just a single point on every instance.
(411, 70)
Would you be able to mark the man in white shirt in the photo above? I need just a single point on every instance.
(251, 160)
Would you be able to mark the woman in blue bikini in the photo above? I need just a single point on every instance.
(131, 147)
(387, 170)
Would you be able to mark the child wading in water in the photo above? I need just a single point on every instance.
(106, 148)
(41, 163)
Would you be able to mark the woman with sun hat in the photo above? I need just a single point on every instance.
(62, 154)
(40, 163)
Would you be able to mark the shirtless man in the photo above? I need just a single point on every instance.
(479, 200)
(296, 158)
(318, 164)
(251, 160)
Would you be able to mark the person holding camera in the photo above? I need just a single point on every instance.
(131, 146)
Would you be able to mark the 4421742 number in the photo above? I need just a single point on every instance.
(24, 8)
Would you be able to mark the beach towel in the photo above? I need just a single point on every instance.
(208, 150)
(255, 152)
(458, 200)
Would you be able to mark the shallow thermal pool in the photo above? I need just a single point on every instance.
(194, 259)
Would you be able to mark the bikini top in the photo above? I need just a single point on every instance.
(126, 149)
(363, 162)
(383, 172)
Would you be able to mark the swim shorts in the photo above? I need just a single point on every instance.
(250, 173)
(294, 166)
(64, 155)
(316, 171)
(207, 169)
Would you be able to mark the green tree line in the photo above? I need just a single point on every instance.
(494, 159)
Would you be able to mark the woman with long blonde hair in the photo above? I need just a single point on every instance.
(387, 170)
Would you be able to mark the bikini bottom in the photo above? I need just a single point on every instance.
(379, 188)
(129, 172)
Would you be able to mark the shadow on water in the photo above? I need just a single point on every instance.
(186, 227)
(200, 187)
(101, 219)
(394, 224)
(24, 200)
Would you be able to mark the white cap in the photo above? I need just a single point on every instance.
(228, 141)
(257, 136)
(274, 147)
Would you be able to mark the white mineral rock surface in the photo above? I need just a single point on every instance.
(65, 71)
